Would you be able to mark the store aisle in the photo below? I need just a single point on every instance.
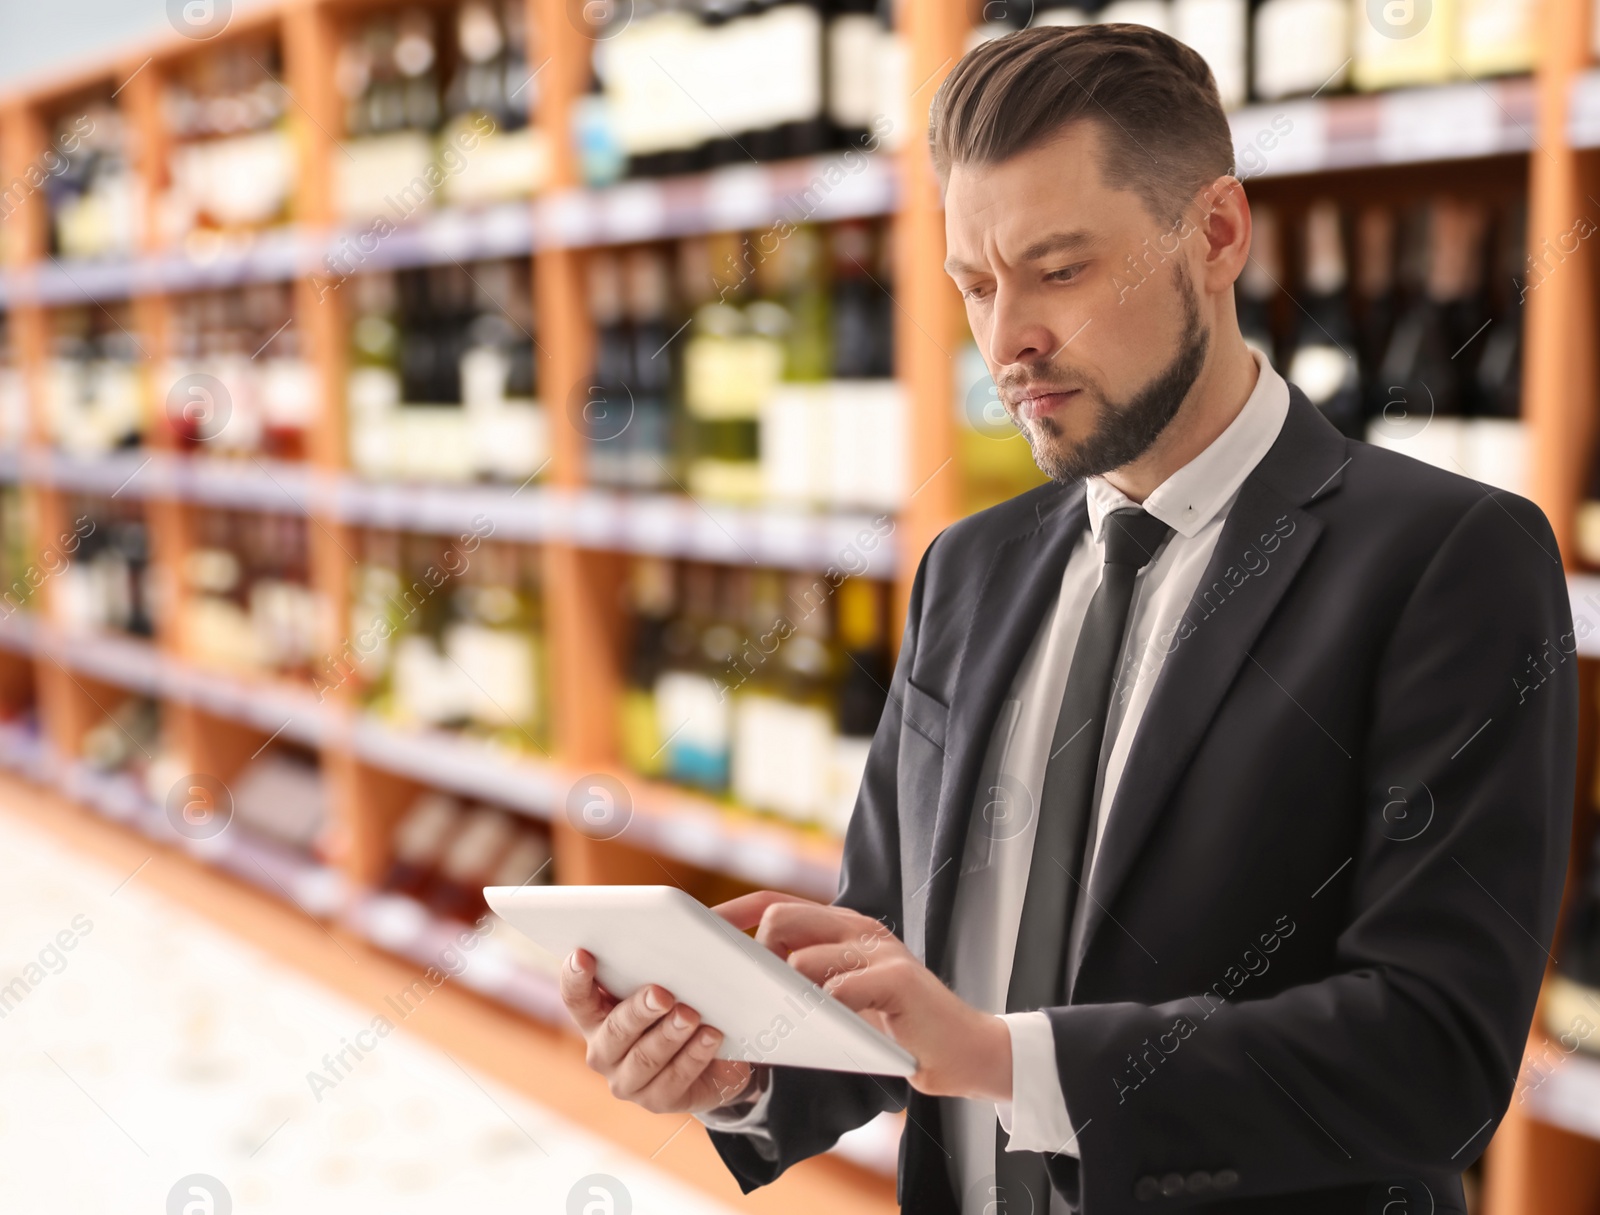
(141, 1046)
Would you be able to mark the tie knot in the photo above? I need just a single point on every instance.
(1132, 536)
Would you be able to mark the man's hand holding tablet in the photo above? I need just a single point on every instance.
(656, 1053)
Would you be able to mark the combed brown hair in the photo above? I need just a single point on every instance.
(1165, 133)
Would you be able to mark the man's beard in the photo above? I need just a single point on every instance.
(1125, 432)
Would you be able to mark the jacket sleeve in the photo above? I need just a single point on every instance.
(807, 1110)
(1400, 1063)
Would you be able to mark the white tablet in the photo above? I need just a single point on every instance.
(768, 1012)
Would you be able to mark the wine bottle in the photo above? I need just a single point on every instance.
(1300, 47)
(693, 712)
(1375, 284)
(1495, 438)
(863, 693)
(468, 865)
(862, 310)
(1220, 31)
(855, 48)
(416, 56)
(1405, 43)
(1157, 14)
(421, 840)
(650, 362)
(730, 369)
(1423, 380)
(652, 599)
(795, 33)
(609, 410)
(1323, 361)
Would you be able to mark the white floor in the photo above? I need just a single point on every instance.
(160, 1047)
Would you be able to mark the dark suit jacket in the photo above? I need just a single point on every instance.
(1331, 870)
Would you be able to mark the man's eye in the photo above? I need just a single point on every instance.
(975, 293)
(1066, 274)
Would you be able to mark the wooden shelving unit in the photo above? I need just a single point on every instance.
(1471, 136)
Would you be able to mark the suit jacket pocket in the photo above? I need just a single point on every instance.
(918, 778)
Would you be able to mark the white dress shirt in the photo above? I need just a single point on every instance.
(1194, 501)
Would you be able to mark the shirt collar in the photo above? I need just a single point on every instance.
(1190, 498)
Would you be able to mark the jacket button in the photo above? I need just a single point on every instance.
(1225, 1179)
(1172, 1185)
(1198, 1182)
(1146, 1188)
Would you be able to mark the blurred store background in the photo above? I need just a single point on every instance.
(420, 422)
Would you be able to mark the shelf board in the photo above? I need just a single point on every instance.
(434, 238)
(667, 525)
(1461, 121)
(847, 184)
(839, 185)
(663, 819)
(273, 706)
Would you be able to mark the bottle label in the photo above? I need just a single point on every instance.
(855, 43)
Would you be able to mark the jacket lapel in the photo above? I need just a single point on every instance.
(1248, 574)
(1019, 587)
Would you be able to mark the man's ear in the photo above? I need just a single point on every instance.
(1222, 223)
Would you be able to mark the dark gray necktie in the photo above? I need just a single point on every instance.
(1067, 816)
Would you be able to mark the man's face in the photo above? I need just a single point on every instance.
(1092, 356)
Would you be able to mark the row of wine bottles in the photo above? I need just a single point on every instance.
(437, 103)
(449, 633)
(444, 852)
(759, 687)
(1270, 49)
(1403, 326)
(443, 97)
(249, 605)
(685, 85)
(749, 367)
(105, 581)
(276, 795)
(443, 379)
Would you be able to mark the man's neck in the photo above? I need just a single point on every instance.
(1225, 384)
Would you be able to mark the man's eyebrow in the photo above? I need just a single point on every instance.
(1056, 242)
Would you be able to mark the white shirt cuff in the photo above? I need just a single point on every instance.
(1036, 1116)
(752, 1123)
